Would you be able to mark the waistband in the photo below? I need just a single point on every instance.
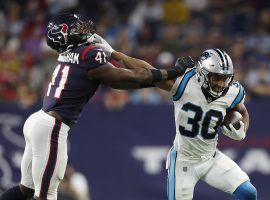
(64, 126)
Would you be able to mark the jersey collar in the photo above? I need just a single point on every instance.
(210, 98)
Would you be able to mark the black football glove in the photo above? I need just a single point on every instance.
(182, 64)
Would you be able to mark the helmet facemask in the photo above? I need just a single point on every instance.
(214, 78)
(81, 31)
(218, 83)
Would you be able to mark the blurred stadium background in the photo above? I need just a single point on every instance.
(121, 142)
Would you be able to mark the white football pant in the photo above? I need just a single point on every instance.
(218, 171)
(45, 156)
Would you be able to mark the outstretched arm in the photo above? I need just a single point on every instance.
(120, 78)
(130, 62)
(133, 63)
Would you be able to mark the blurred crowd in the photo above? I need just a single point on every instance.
(157, 31)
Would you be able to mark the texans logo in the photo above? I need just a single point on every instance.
(58, 34)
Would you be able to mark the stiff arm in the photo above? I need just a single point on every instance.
(133, 77)
(134, 63)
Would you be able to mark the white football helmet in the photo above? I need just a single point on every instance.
(215, 71)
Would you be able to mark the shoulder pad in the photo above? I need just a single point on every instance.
(181, 83)
(93, 56)
(237, 91)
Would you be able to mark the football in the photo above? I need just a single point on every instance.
(234, 118)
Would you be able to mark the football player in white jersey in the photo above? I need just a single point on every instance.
(202, 97)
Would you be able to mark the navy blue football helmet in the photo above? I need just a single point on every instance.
(67, 31)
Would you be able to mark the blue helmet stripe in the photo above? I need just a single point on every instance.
(220, 55)
(227, 65)
(182, 86)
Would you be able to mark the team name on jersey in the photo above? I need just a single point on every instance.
(69, 57)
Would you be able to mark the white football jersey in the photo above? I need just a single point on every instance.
(197, 118)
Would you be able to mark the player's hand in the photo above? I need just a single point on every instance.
(100, 42)
(238, 134)
(183, 63)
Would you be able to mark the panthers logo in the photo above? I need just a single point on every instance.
(59, 34)
(205, 55)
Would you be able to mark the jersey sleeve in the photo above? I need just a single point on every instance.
(93, 57)
(239, 95)
(180, 84)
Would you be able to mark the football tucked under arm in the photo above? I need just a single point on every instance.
(233, 126)
(234, 118)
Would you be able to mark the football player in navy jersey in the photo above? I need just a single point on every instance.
(80, 69)
(202, 97)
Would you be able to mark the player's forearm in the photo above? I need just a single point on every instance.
(245, 116)
(133, 63)
(129, 62)
(126, 86)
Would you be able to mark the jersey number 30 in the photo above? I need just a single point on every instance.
(206, 122)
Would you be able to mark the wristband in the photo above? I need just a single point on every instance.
(171, 74)
(147, 85)
(156, 75)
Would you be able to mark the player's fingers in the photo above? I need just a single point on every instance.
(98, 38)
(91, 39)
(94, 40)
(225, 129)
(242, 125)
(100, 45)
(101, 39)
(232, 128)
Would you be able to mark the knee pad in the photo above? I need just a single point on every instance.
(246, 191)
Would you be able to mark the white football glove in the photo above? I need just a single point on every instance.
(103, 44)
(239, 134)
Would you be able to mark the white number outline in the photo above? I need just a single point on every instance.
(99, 57)
(62, 83)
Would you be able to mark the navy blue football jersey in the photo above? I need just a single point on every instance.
(70, 88)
